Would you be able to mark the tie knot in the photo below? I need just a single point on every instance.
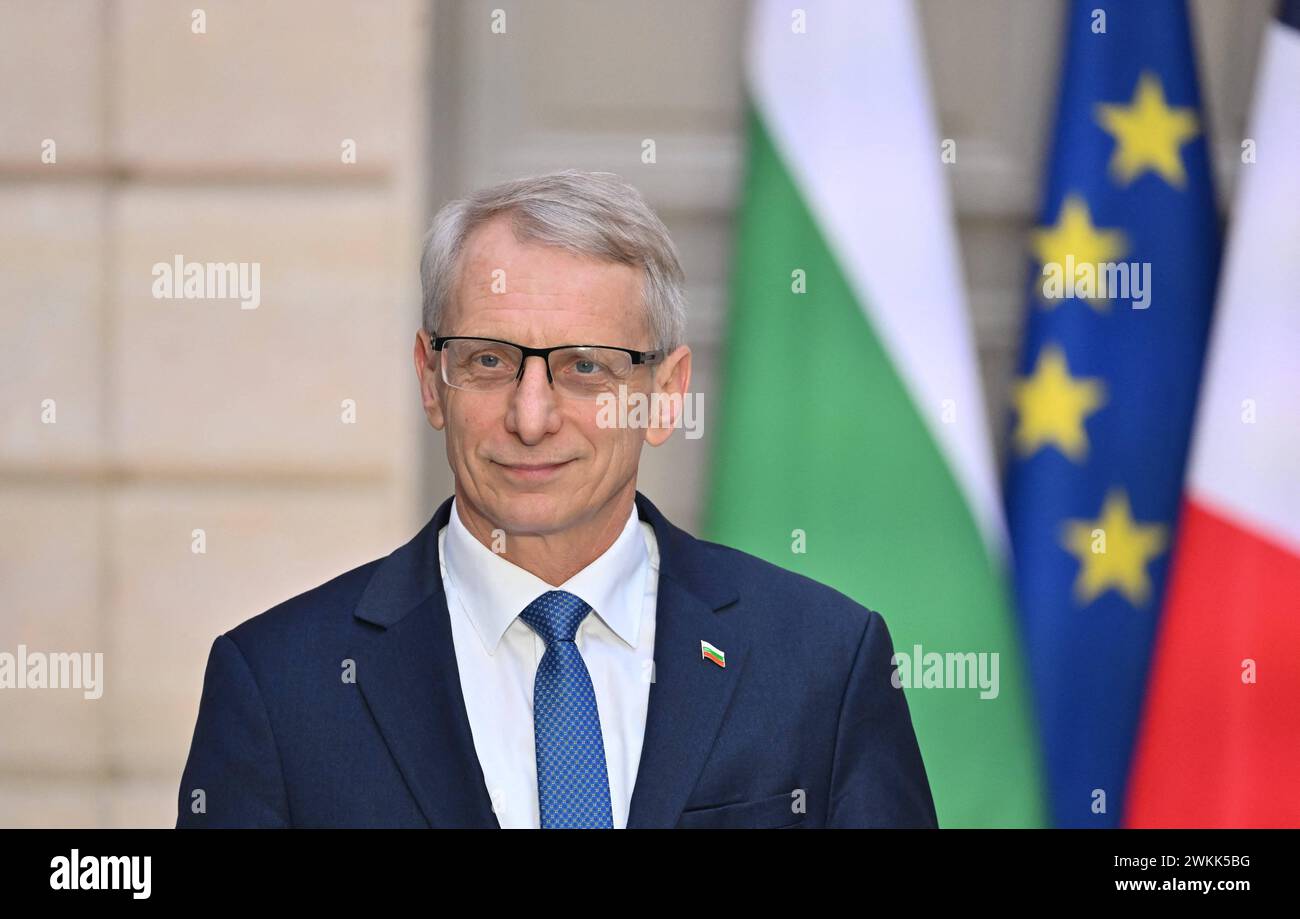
(555, 615)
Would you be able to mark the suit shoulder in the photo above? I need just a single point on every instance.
(767, 584)
(325, 608)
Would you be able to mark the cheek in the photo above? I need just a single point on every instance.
(468, 424)
(612, 446)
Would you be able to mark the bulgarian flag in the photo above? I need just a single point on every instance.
(853, 445)
(1220, 743)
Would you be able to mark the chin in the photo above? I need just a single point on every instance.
(532, 509)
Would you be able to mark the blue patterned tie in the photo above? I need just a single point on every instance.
(572, 779)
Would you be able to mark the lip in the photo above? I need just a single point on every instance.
(534, 472)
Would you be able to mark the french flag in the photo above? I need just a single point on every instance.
(1219, 744)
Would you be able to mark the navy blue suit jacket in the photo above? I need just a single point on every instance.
(801, 728)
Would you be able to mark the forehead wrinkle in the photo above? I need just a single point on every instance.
(527, 284)
(596, 302)
(491, 316)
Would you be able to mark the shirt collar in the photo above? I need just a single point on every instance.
(494, 591)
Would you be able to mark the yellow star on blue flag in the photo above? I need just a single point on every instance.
(1122, 266)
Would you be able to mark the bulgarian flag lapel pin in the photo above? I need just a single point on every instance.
(709, 652)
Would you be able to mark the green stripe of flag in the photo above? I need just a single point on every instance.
(818, 433)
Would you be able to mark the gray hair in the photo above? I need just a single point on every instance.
(595, 214)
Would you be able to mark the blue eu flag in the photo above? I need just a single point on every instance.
(1124, 254)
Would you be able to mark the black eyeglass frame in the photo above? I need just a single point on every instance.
(638, 357)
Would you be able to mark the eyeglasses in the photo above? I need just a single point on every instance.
(580, 371)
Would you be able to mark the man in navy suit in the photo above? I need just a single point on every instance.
(549, 650)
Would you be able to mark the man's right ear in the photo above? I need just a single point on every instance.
(426, 369)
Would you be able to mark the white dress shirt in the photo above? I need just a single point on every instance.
(498, 654)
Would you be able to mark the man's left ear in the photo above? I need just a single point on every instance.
(672, 378)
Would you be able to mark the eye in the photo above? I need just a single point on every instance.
(488, 358)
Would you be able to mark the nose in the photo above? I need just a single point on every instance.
(533, 412)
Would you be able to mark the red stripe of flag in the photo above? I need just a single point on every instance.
(1216, 751)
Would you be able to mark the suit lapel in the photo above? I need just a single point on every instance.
(689, 693)
(407, 673)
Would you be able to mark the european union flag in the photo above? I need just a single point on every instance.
(1125, 256)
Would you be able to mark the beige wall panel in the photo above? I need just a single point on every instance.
(51, 592)
(207, 386)
(51, 342)
(51, 74)
(169, 603)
